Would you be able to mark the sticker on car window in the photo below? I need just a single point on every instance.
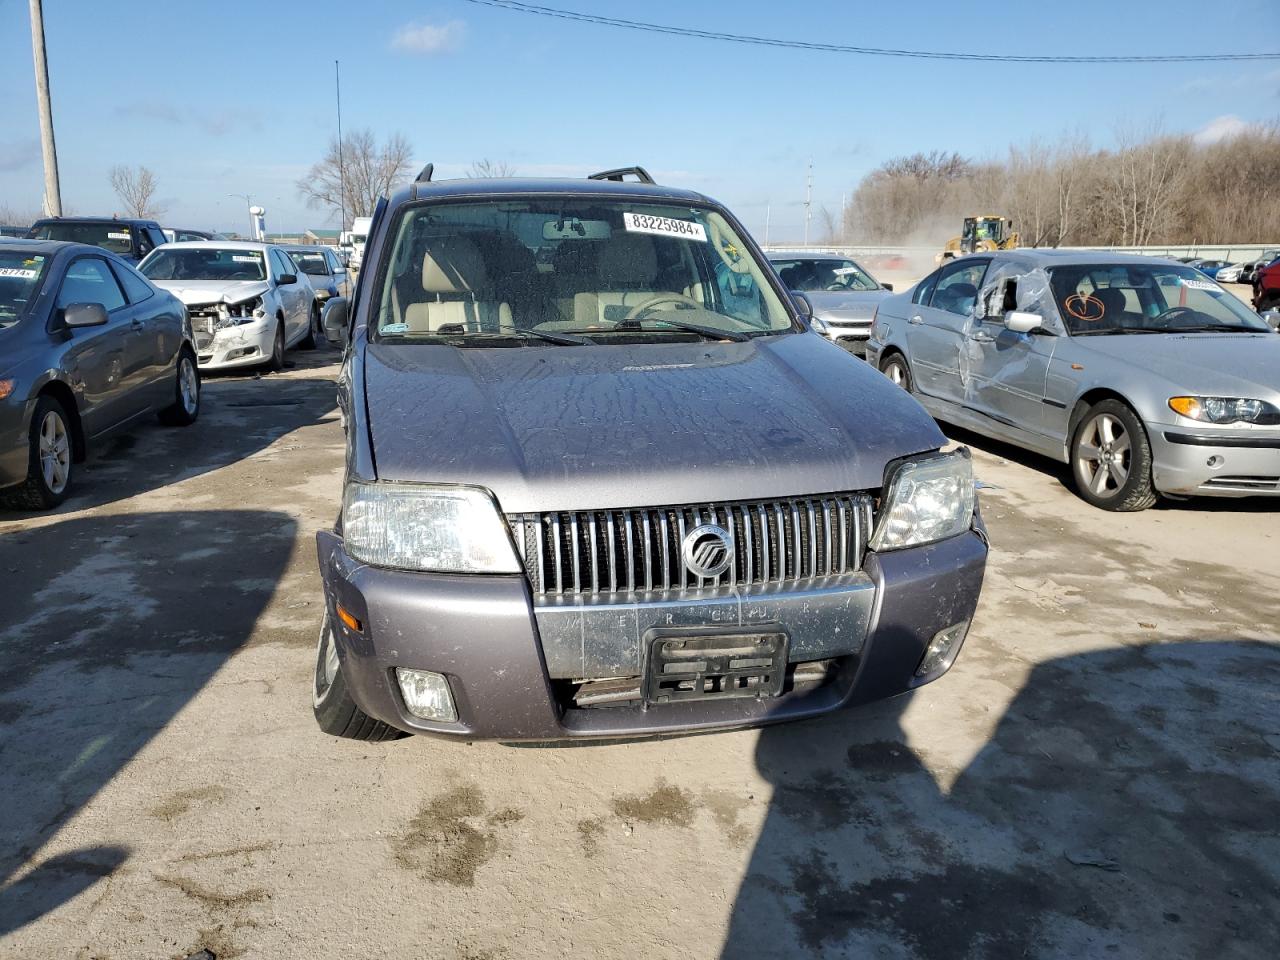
(663, 226)
(18, 272)
(1199, 284)
(246, 259)
(117, 236)
(394, 328)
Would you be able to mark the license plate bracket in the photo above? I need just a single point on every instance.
(706, 663)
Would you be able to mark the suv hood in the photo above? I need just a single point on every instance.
(214, 291)
(847, 304)
(580, 428)
(1206, 364)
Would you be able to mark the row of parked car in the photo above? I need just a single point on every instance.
(104, 321)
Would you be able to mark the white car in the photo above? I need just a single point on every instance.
(248, 301)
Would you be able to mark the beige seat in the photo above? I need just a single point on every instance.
(627, 272)
(457, 291)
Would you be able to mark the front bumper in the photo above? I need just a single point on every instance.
(239, 346)
(15, 440)
(852, 335)
(1197, 462)
(484, 634)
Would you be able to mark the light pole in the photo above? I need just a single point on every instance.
(52, 189)
(248, 202)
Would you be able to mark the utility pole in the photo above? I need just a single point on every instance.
(52, 189)
(342, 167)
(808, 198)
(248, 202)
(768, 209)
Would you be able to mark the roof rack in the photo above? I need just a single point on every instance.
(640, 173)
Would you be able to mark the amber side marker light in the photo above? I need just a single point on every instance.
(352, 622)
(1187, 406)
(6, 387)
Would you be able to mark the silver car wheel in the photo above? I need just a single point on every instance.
(327, 664)
(55, 452)
(188, 385)
(1103, 455)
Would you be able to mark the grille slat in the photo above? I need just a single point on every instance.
(618, 552)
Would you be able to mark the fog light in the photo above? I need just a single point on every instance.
(942, 649)
(426, 694)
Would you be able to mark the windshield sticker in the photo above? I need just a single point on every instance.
(394, 328)
(1199, 284)
(246, 259)
(663, 226)
(18, 272)
(117, 236)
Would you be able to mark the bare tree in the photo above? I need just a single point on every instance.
(482, 169)
(136, 187)
(355, 173)
(19, 217)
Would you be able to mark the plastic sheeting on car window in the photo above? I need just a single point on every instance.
(1031, 294)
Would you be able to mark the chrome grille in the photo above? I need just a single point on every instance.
(601, 552)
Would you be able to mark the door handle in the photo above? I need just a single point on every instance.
(916, 319)
(138, 324)
(981, 337)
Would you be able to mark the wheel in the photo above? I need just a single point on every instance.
(314, 335)
(895, 368)
(1111, 459)
(186, 404)
(336, 713)
(276, 363)
(50, 465)
(1268, 301)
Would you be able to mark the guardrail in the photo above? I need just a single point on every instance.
(1232, 253)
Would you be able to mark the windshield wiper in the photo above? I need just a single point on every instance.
(451, 332)
(1216, 328)
(710, 333)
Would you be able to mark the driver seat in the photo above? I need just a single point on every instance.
(458, 291)
(628, 270)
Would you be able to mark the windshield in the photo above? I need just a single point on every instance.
(110, 236)
(309, 261)
(595, 266)
(20, 275)
(203, 263)
(814, 275)
(1146, 298)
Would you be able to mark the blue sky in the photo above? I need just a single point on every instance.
(231, 96)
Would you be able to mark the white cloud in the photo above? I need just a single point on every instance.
(429, 38)
(1221, 128)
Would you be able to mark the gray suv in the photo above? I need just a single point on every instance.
(603, 480)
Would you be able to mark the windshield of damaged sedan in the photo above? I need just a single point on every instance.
(20, 275)
(202, 263)
(596, 267)
(1146, 298)
(817, 275)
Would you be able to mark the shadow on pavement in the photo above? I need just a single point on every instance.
(232, 427)
(1125, 805)
(111, 626)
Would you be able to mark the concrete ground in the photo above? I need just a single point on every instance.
(1098, 776)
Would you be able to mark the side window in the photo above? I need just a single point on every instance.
(332, 261)
(135, 288)
(924, 289)
(278, 264)
(157, 236)
(957, 289)
(90, 280)
(146, 242)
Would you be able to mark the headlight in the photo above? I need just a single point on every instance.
(1225, 409)
(246, 311)
(926, 499)
(414, 526)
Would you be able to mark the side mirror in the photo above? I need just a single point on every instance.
(1273, 318)
(286, 278)
(803, 306)
(335, 318)
(887, 286)
(78, 315)
(1020, 322)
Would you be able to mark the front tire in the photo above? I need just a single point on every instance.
(186, 403)
(276, 363)
(1111, 459)
(52, 455)
(896, 369)
(336, 713)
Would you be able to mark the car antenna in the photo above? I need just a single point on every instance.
(640, 173)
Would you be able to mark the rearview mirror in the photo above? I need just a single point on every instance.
(335, 318)
(571, 228)
(286, 278)
(1020, 322)
(78, 315)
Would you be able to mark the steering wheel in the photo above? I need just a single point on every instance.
(1171, 317)
(679, 299)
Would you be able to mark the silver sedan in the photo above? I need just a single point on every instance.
(843, 295)
(1143, 374)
